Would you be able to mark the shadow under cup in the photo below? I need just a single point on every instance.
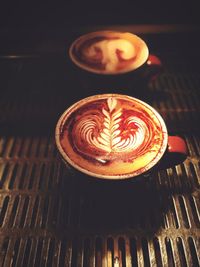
(115, 137)
(112, 62)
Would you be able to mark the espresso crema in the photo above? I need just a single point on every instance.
(111, 136)
(109, 52)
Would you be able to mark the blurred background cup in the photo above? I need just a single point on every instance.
(112, 62)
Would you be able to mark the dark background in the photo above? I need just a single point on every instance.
(28, 27)
(86, 13)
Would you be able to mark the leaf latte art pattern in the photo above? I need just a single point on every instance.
(109, 131)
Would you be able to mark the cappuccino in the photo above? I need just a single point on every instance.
(111, 136)
(109, 52)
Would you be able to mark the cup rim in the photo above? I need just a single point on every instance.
(65, 115)
(100, 72)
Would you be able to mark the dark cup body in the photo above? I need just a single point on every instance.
(133, 83)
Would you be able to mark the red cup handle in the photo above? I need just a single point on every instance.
(176, 144)
(154, 67)
(176, 152)
(154, 61)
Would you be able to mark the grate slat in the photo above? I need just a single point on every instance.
(7, 175)
(110, 251)
(196, 209)
(152, 256)
(16, 212)
(133, 252)
(20, 249)
(156, 250)
(163, 250)
(68, 254)
(77, 253)
(4, 243)
(44, 252)
(188, 252)
(140, 256)
(87, 253)
(184, 212)
(191, 212)
(177, 262)
(8, 146)
(182, 252)
(193, 172)
(128, 259)
(8, 260)
(56, 253)
(38, 252)
(101, 245)
(193, 251)
(179, 211)
(37, 212)
(32, 248)
(10, 211)
(25, 147)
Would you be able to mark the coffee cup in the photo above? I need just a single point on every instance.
(116, 137)
(104, 60)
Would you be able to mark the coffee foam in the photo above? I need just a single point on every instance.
(112, 136)
(108, 52)
(110, 59)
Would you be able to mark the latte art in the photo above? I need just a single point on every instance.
(112, 135)
(109, 52)
(110, 55)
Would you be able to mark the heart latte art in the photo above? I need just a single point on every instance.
(109, 52)
(112, 136)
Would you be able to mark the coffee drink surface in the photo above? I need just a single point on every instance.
(109, 52)
(111, 136)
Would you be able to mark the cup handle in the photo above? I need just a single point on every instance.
(176, 152)
(154, 67)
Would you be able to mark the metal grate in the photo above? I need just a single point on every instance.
(51, 217)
